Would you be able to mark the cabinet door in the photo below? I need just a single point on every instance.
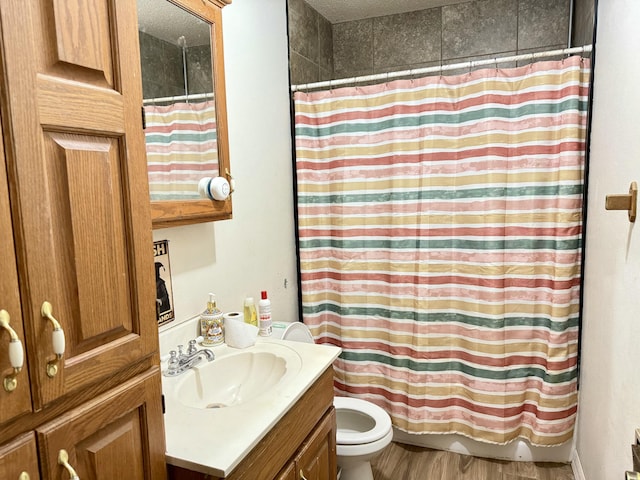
(19, 456)
(118, 435)
(17, 401)
(288, 473)
(77, 161)
(317, 457)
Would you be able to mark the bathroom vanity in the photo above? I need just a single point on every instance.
(264, 412)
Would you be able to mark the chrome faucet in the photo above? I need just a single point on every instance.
(180, 362)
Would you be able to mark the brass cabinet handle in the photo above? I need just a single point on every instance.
(16, 352)
(57, 339)
(302, 477)
(24, 476)
(63, 459)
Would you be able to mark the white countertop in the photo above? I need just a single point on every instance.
(214, 441)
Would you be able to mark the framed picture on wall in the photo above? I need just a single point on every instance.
(164, 292)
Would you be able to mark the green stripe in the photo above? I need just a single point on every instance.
(173, 196)
(450, 244)
(181, 137)
(454, 193)
(372, 314)
(427, 365)
(453, 118)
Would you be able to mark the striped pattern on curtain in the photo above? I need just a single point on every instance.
(440, 225)
(181, 148)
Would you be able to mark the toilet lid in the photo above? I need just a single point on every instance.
(382, 421)
(298, 332)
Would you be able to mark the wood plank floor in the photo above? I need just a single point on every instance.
(407, 462)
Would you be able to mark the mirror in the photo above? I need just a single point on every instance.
(185, 108)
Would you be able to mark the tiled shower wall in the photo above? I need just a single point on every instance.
(449, 34)
(162, 69)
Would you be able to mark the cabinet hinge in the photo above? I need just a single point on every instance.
(163, 409)
(144, 119)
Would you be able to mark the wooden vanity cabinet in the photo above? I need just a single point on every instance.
(316, 458)
(76, 225)
(19, 456)
(304, 440)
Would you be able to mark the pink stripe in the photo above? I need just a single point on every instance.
(451, 232)
(440, 155)
(439, 329)
(419, 170)
(200, 167)
(430, 286)
(429, 206)
(509, 257)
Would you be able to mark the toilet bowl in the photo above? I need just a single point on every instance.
(364, 429)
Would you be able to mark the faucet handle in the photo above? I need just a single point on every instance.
(192, 347)
(174, 363)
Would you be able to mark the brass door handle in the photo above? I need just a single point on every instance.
(16, 352)
(63, 459)
(57, 339)
(302, 477)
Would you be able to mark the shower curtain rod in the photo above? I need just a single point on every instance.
(196, 96)
(441, 68)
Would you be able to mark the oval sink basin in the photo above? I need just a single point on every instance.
(230, 380)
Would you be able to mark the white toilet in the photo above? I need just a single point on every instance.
(364, 429)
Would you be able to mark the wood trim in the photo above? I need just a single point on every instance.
(174, 213)
(28, 422)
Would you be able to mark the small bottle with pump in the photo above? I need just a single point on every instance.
(264, 315)
(250, 314)
(212, 323)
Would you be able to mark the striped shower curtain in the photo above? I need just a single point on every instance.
(440, 227)
(181, 148)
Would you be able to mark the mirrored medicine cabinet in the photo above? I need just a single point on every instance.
(184, 99)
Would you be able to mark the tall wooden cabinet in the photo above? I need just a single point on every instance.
(76, 227)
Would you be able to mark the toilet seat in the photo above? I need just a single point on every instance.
(380, 418)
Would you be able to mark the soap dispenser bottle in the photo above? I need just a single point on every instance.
(212, 323)
(250, 313)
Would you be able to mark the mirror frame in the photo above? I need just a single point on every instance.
(173, 213)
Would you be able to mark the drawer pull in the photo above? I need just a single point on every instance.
(57, 338)
(302, 477)
(63, 459)
(24, 476)
(16, 353)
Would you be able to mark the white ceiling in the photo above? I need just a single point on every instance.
(165, 20)
(337, 11)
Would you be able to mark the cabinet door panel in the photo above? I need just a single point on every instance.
(113, 436)
(82, 191)
(19, 400)
(317, 458)
(288, 473)
(19, 456)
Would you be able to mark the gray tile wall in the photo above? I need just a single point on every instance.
(310, 44)
(456, 33)
(162, 72)
(583, 19)
(449, 34)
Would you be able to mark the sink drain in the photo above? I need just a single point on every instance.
(216, 405)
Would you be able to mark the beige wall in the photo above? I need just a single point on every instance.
(609, 409)
(256, 249)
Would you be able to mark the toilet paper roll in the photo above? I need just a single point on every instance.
(234, 316)
(237, 333)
